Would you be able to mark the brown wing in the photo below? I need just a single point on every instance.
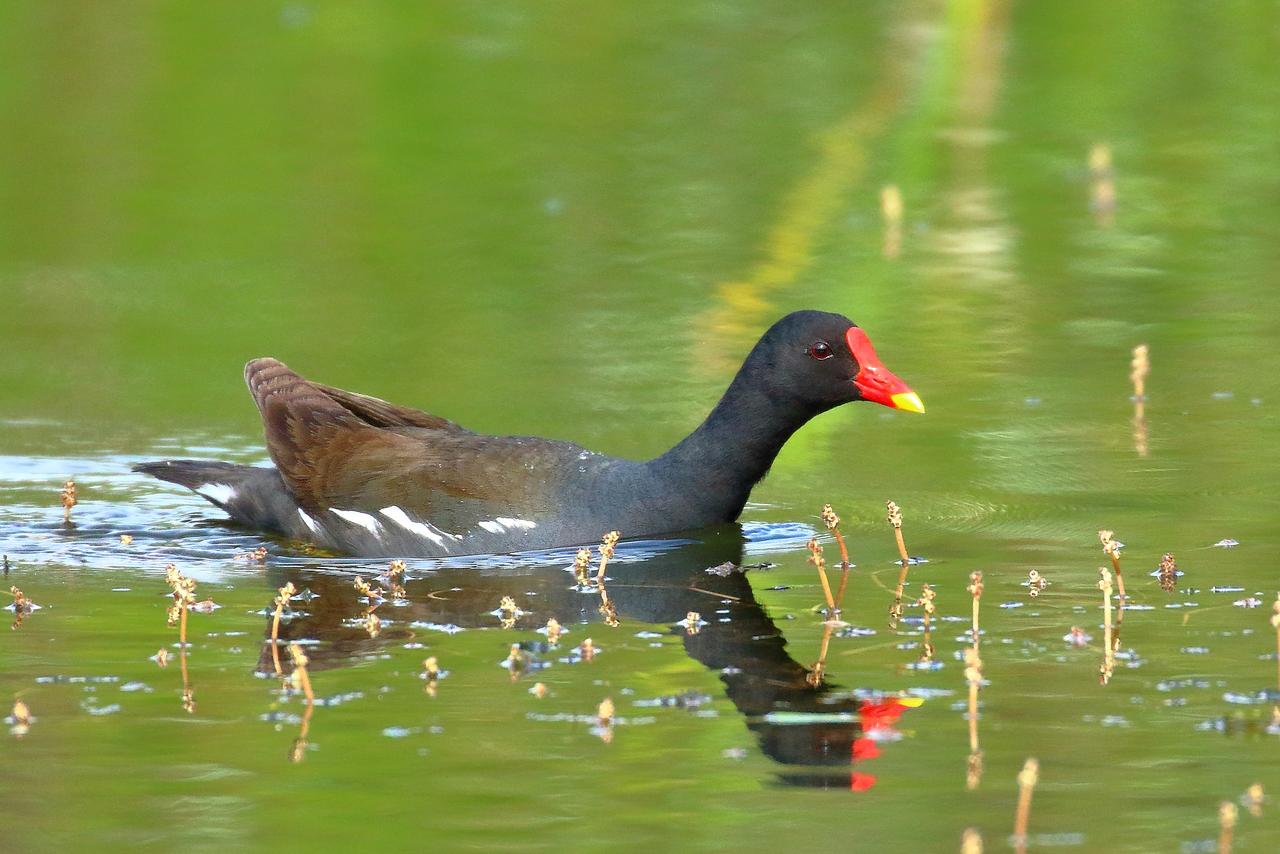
(380, 413)
(338, 449)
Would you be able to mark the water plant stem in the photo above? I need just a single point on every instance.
(816, 558)
(1027, 780)
(1227, 815)
(1108, 651)
(975, 590)
(607, 544)
(895, 519)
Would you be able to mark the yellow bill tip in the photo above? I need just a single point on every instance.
(910, 401)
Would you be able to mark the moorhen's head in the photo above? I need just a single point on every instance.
(822, 360)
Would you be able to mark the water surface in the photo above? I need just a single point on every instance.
(573, 222)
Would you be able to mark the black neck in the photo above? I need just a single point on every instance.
(715, 466)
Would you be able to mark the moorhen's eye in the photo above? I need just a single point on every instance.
(820, 350)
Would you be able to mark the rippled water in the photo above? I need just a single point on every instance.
(577, 232)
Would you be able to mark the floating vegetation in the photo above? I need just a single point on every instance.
(1168, 572)
(1027, 779)
(1035, 583)
(1226, 544)
(395, 580)
(1111, 548)
(258, 555)
(508, 612)
(553, 631)
(369, 620)
(126, 539)
(1253, 799)
(692, 622)
(894, 515)
(432, 674)
(371, 594)
(1077, 637)
(21, 606)
(19, 719)
(68, 498)
(582, 569)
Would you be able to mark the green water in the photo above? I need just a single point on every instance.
(573, 220)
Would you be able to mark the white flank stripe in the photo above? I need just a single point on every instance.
(395, 514)
(219, 492)
(311, 523)
(364, 520)
(493, 527)
(516, 523)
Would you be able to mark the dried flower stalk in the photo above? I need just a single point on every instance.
(1108, 653)
(832, 521)
(300, 677)
(816, 558)
(1112, 549)
(1275, 624)
(975, 590)
(1227, 816)
(894, 516)
(607, 544)
(971, 842)
(925, 602)
(1254, 798)
(1168, 572)
(1139, 368)
(819, 669)
(973, 676)
(283, 595)
(184, 596)
(608, 610)
(582, 567)
(1035, 583)
(68, 500)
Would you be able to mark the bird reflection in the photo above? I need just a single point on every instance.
(798, 719)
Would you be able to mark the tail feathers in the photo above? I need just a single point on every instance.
(252, 495)
(213, 480)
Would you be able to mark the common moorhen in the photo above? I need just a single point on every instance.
(358, 475)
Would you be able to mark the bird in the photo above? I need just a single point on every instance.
(356, 475)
